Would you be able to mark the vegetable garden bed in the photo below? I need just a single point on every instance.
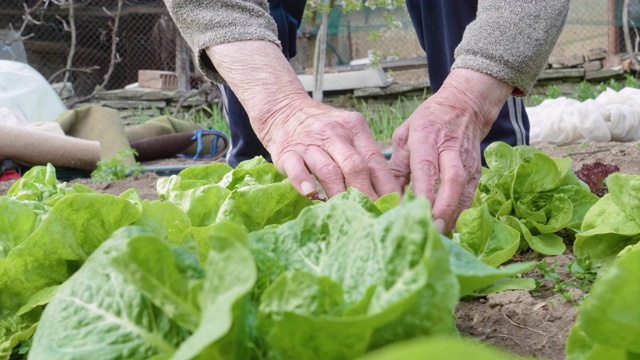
(192, 267)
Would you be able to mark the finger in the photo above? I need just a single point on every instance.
(381, 176)
(469, 193)
(400, 160)
(326, 170)
(425, 169)
(453, 182)
(292, 165)
(353, 166)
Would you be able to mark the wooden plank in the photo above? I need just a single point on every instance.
(561, 73)
(419, 62)
(393, 89)
(604, 73)
(348, 80)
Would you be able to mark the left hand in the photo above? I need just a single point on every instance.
(441, 140)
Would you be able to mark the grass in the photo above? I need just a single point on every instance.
(383, 118)
(584, 90)
(210, 117)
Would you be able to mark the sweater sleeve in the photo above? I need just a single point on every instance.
(512, 40)
(206, 23)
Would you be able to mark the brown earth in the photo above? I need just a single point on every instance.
(518, 321)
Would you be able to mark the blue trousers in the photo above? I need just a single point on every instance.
(439, 25)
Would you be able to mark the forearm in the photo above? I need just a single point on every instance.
(512, 41)
(263, 80)
(208, 23)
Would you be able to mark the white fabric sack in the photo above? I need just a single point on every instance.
(613, 116)
(27, 93)
(567, 121)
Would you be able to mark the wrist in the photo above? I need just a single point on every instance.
(480, 95)
(263, 80)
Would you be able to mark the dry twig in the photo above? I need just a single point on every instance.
(526, 327)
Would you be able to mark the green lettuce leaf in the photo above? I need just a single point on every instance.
(16, 329)
(258, 206)
(610, 317)
(17, 222)
(224, 329)
(474, 275)
(613, 223)
(534, 194)
(439, 348)
(338, 273)
(74, 227)
(40, 185)
(487, 238)
(153, 268)
(254, 194)
(98, 314)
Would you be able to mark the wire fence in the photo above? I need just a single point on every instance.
(115, 42)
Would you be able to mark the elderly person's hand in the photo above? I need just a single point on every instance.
(441, 140)
(302, 135)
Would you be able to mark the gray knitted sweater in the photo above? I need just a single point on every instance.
(510, 39)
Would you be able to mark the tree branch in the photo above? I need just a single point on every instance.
(114, 57)
(627, 36)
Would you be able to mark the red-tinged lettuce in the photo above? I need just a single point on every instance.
(608, 325)
(528, 191)
(595, 174)
(613, 222)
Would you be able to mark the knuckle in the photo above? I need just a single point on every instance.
(329, 172)
(354, 164)
(427, 166)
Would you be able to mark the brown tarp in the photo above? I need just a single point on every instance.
(94, 132)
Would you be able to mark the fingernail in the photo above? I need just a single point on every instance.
(307, 188)
(439, 224)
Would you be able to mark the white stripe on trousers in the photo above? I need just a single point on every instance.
(515, 115)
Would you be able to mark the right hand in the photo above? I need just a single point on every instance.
(335, 145)
(302, 135)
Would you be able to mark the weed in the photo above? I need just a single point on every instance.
(585, 91)
(611, 84)
(583, 272)
(115, 169)
(631, 81)
(553, 92)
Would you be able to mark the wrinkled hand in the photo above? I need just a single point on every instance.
(301, 134)
(335, 145)
(441, 140)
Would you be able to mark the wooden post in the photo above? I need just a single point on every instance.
(613, 33)
(320, 54)
(183, 63)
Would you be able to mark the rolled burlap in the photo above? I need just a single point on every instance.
(32, 146)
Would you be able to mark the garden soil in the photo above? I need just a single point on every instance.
(522, 322)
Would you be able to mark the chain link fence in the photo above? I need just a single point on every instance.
(110, 44)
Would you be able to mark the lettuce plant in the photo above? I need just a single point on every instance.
(613, 222)
(608, 324)
(341, 279)
(529, 192)
(231, 263)
(595, 174)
